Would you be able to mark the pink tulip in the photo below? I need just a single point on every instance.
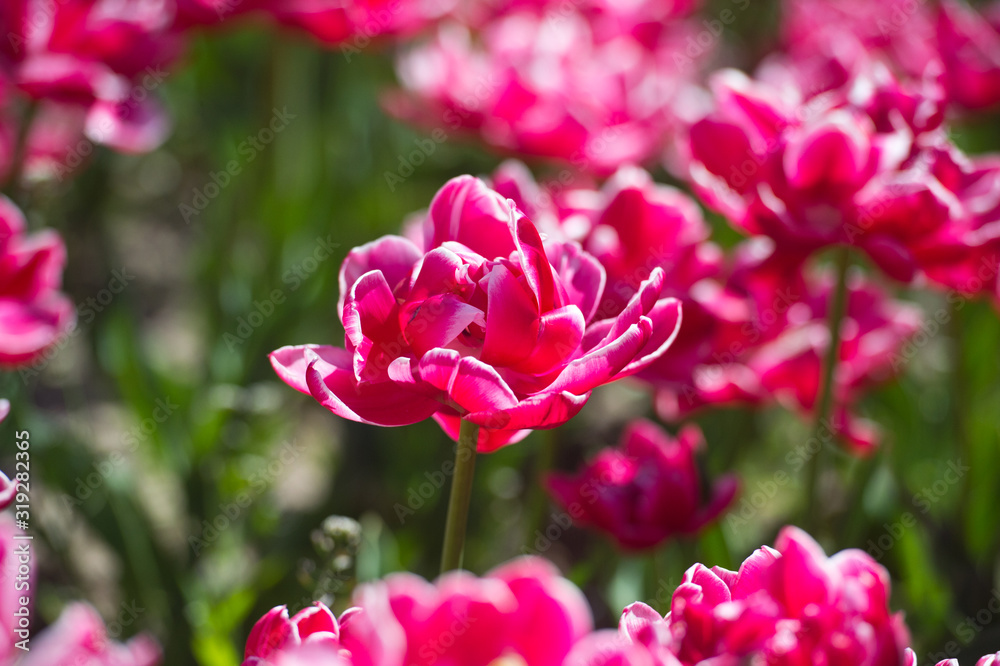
(812, 171)
(645, 491)
(774, 346)
(553, 83)
(486, 323)
(901, 34)
(989, 660)
(788, 605)
(79, 638)
(33, 313)
(315, 627)
(101, 57)
(966, 258)
(522, 610)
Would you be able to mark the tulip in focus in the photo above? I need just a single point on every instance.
(645, 491)
(485, 323)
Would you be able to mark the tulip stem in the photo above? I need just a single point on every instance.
(824, 406)
(461, 494)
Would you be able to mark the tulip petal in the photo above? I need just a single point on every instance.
(326, 373)
(582, 278)
(395, 256)
(470, 384)
(547, 410)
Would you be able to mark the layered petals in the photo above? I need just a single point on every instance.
(486, 322)
(645, 491)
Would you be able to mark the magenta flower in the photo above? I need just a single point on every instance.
(788, 605)
(276, 633)
(966, 258)
(103, 59)
(79, 637)
(578, 89)
(355, 23)
(486, 324)
(521, 610)
(969, 44)
(812, 171)
(33, 312)
(772, 349)
(903, 36)
(645, 491)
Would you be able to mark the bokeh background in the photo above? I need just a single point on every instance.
(180, 485)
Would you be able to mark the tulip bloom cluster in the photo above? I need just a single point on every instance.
(785, 605)
(594, 84)
(755, 323)
(484, 322)
(950, 40)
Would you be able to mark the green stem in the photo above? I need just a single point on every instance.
(461, 493)
(21, 149)
(960, 398)
(824, 407)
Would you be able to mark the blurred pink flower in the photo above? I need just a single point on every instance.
(969, 44)
(776, 351)
(554, 82)
(900, 32)
(100, 57)
(787, 605)
(484, 323)
(646, 490)
(815, 173)
(356, 23)
(967, 258)
(79, 638)
(521, 610)
(33, 312)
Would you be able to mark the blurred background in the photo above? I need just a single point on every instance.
(182, 488)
